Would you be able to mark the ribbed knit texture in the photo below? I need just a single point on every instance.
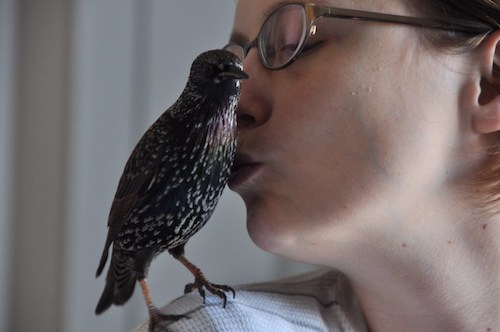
(317, 301)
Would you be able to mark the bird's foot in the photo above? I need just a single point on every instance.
(202, 284)
(159, 322)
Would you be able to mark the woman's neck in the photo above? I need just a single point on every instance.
(448, 280)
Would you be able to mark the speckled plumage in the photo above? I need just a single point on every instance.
(174, 177)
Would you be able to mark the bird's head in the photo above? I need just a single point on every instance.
(216, 70)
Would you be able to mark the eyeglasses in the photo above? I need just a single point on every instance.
(286, 31)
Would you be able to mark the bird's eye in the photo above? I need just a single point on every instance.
(210, 70)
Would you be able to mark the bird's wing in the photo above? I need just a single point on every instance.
(132, 189)
(129, 194)
(137, 183)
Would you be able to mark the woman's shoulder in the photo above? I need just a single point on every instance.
(321, 300)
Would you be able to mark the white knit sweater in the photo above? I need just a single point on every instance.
(316, 301)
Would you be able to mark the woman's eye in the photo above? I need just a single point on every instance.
(310, 47)
(288, 50)
(317, 37)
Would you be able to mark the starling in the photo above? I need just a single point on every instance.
(172, 182)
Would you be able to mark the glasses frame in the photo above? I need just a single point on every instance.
(314, 11)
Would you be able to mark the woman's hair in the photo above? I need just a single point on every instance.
(482, 13)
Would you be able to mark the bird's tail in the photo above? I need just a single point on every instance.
(120, 284)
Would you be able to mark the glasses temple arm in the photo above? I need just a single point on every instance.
(455, 26)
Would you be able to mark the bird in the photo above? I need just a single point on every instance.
(172, 181)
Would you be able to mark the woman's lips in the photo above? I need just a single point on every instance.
(243, 169)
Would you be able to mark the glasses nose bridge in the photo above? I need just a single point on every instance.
(246, 47)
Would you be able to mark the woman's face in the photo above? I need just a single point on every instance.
(346, 143)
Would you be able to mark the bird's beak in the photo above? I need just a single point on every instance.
(233, 73)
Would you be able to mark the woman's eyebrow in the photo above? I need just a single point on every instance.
(276, 5)
(239, 38)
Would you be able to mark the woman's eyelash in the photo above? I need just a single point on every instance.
(310, 46)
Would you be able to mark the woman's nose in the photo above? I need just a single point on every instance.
(254, 108)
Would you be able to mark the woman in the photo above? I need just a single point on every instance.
(372, 148)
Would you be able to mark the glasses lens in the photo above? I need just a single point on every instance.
(282, 36)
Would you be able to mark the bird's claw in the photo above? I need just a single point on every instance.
(216, 289)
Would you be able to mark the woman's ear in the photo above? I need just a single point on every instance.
(486, 113)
